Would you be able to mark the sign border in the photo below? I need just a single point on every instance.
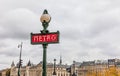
(36, 43)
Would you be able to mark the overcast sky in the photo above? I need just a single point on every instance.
(89, 30)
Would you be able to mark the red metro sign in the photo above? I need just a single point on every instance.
(39, 38)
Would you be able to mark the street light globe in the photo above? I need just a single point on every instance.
(45, 18)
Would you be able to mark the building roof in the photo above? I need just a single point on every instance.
(12, 64)
(88, 63)
(29, 63)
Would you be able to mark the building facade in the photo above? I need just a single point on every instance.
(36, 70)
(110, 67)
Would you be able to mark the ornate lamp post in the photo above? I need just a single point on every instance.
(45, 19)
(54, 72)
(44, 38)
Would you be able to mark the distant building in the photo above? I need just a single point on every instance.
(36, 70)
(86, 68)
(5, 72)
(100, 68)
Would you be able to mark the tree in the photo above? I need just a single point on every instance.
(111, 71)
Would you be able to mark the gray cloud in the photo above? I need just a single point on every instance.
(108, 49)
(86, 27)
(101, 26)
(17, 23)
(9, 52)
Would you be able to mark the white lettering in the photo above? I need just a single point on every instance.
(44, 36)
(48, 38)
(35, 38)
(53, 37)
(40, 38)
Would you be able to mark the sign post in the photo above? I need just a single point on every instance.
(45, 38)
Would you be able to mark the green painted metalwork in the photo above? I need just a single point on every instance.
(44, 31)
(45, 19)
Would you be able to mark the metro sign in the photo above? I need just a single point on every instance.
(40, 38)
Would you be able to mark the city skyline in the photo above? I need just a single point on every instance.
(89, 30)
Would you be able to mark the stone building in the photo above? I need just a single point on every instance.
(100, 68)
(86, 68)
(5, 72)
(36, 70)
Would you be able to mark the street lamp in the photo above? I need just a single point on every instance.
(20, 60)
(45, 19)
(44, 38)
(74, 74)
(54, 72)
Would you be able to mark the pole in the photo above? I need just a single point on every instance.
(20, 58)
(54, 72)
(44, 31)
(20, 50)
(44, 60)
